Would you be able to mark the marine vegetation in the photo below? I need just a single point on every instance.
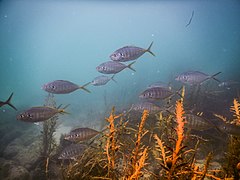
(48, 144)
(128, 151)
(177, 161)
(231, 164)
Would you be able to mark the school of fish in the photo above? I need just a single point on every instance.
(149, 97)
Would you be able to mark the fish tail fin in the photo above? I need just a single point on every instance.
(130, 66)
(149, 49)
(213, 77)
(62, 110)
(112, 78)
(8, 102)
(179, 90)
(85, 89)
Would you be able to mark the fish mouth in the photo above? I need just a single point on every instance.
(141, 96)
(43, 87)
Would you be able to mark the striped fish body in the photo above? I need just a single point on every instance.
(129, 53)
(72, 151)
(60, 87)
(194, 77)
(81, 134)
(152, 108)
(197, 123)
(101, 80)
(112, 67)
(156, 93)
(38, 114)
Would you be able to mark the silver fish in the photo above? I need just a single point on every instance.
(72, 151)
(159, 84)
(152, 108)
(81, 134)
(7, 102)
(195, 77)
(63, 87)
(38, 114)
(129, 53)
(112, 67)
(198, 123)
(228, 84)
(102, 80)
(157, 93)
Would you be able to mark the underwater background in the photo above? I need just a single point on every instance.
(43, 41)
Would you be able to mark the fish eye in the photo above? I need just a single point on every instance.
(22, 116)
(52, 86)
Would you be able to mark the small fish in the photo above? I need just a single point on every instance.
(72, 151)
(63, 87)
(8, 102)
(228, 84)
(102, 80)
(129, 53)
(197, 122)
(112, 67)
(157, 93)
(38, 114)
(229, 128)
(195, 77)
(81, 134)
(152, 108)
(160, 84)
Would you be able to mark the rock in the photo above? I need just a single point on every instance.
(9, 170)
(25, 149)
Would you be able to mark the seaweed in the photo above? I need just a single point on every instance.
(126, 151)
(232, 155)
(48, 144)
(178, 162)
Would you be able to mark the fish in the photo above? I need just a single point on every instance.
(129, 53)
(160, 84)
(38, 114)
(112, 67)
(63, 87)
(229, 128)
(228, 84)
(195, 77)
(157, 93)
(199, 123)
(81, 134)
(72, 151)
(8, 102)
(102, 80)
(151, 107)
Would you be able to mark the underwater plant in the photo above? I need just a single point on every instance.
(48, 144)
(178, 162)
(232, 154)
